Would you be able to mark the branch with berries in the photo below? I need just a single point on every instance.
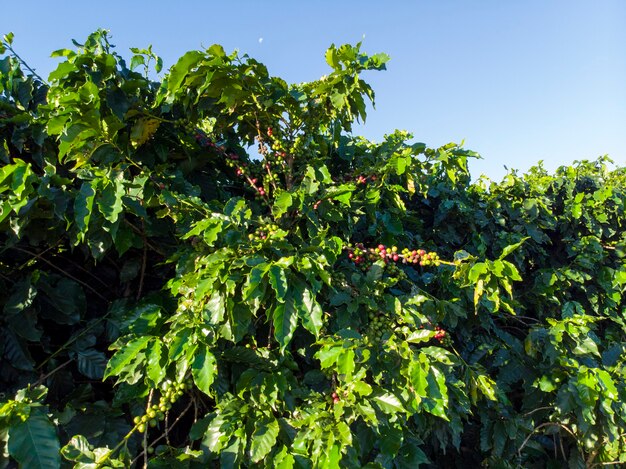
(382, 324)
(365, 257)
(232, 160)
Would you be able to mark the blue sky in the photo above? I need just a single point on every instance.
(517, 81)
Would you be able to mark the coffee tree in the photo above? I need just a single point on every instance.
(210, 269)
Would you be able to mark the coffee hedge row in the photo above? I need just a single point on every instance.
(209, 269)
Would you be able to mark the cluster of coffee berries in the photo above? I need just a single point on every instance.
(379, 325)
(156, 412)
(420, 257)
(263, 234)
(360, 179)
(233, 161)
(361, 255)
(335, 397)
(185, 124)
(442, 337)
(260, 190)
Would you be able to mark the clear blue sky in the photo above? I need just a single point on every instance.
(518, 81)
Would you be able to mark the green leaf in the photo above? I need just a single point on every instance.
(217, 433)
(143, 130)
(204, 369)
(137, 60)
(285, 320)
(15, 351)
(83, 207)
(586, 347)
(181, 69)
(91, 363)
(331, 57)
(410, 455)
(512, 247)
(110, 200)
(22, 297)
(362, 388)
(345, 364)
(328, 355)
(34, 443)
(263, 439)
(208, 228)
(399, 164)
(284, 460)
(156, 364)
(215, 308)
(66, 296)
(391, 439)
(78, 449)
(125, 355)
(278, 281)
(388, 403)
(421, 335)
(477, 270)
(310, 312)
(439, 354)
(487, 387)
(282, 203)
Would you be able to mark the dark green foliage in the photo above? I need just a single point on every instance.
(330, 302)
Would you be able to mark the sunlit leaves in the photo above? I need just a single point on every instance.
(204, 369)
(226, 286)
(263, 439)
(125, 356)
(285, 321)
(83, 207)
(278, 281)
(142, 130)
(110, 200)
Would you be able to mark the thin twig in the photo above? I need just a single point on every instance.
(7, 278)
(77, 265)
(143, 260)
(67, 274)
(24, 264)
(74, 339)
(24, 64)
(164, 435)
(151, 246)
(145, 434)
(562, 448)
(167, 428)
(539, 427)
(537, 410)
(47, 375)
